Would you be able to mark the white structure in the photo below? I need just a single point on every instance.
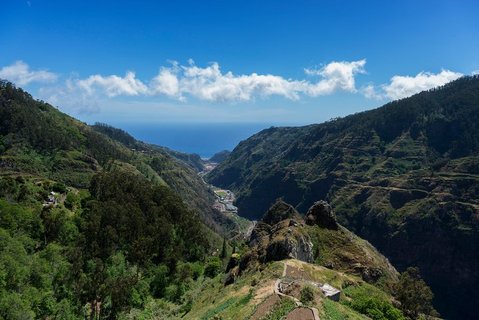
(330, 292)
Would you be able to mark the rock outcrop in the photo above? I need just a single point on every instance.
(279, 235)
(322, 214)
(287, 241)
(284, 234)
(280, 211)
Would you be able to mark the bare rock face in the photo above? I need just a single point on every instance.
(368, 273)
(287, 241)
(260, 234)
(322, 214)
(279, 235)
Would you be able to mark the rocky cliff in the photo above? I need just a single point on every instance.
(284, 234)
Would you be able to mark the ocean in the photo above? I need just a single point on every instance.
(204, 139)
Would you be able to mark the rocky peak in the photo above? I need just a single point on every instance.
(322, 214)
(279, 235)
(279, 211)
(290, 238)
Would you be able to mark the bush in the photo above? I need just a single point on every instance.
(307, 295)
(72, 200)
(197, 269)
(59, 187)
(213, 267)
(174, 292)
(376, 308)
(184, 271)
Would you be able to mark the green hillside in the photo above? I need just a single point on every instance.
(404, 176)
(37, 139)
(220, 156)
(89, 226)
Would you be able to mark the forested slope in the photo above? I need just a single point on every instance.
(91, 227)
(37, 139)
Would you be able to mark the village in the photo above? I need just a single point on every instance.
(224, 198)
(224, 201)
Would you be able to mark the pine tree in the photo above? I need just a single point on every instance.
(224, 252)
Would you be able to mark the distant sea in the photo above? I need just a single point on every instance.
(204, 139)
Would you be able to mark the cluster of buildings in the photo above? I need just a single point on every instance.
(224, 201)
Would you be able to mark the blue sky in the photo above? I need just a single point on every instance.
(289, 62)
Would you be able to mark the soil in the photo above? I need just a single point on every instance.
(293, 290)
(300, 314)
(265, 307)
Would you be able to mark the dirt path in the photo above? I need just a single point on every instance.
(300, 312)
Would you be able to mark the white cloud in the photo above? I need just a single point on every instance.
(370, 92)
(166, 83)
(211, 84)
(335, 76)
(475, 72)
(69, 96)
(20, 74)
(405, 86)
(114, 85)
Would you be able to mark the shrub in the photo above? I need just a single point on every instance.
(174, 292)
(72, 200)
(376, 308)
(59, 187)
(213, 267)
(307, 295)
(197, 269)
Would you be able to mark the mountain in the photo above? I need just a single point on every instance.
(37, 139)
(193, 160)
(317, 238)
(220, 156)
(404, 176)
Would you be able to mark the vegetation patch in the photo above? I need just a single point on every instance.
(280, 309)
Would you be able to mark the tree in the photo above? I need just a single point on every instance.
(224, 252)
(213, 267)
(414, 294)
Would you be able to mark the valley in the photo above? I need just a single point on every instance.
(224, 203)
(239, 160)
(213, 241)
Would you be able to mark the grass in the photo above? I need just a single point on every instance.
(220, 308)
(221, 193)
(280, 310)
(212, 300)
(362, 290)
(336, 311)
